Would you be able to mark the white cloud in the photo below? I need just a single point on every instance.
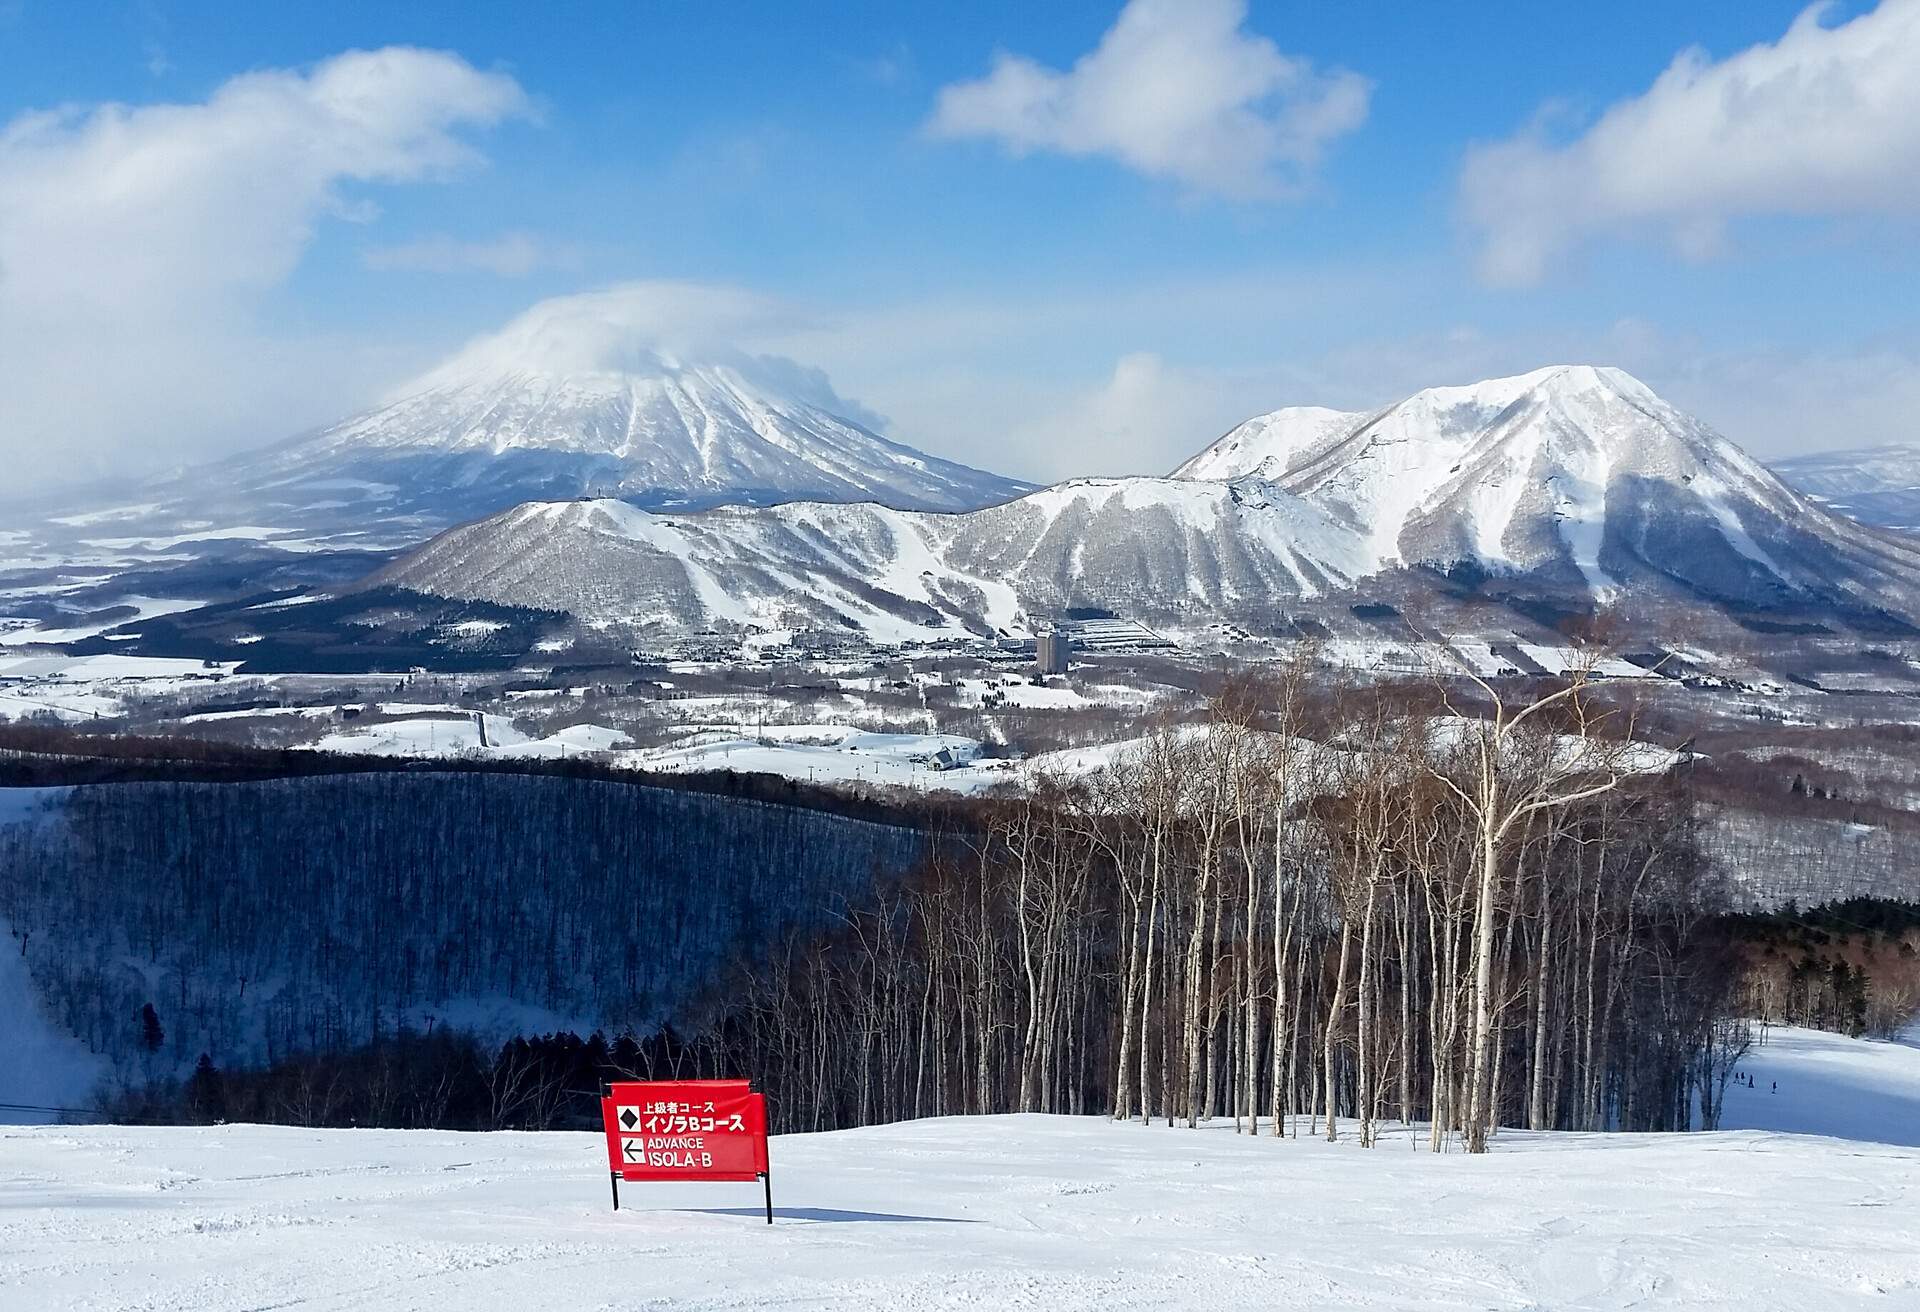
(623, 327)
(137, 246)
(891, 68)
(1175, 89)
(510, 255)
(1823, 122)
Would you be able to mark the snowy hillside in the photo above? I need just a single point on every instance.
(1015, 1211)
(1153, 545)
(1578, 480)
(1876, 485)
(1575, 472)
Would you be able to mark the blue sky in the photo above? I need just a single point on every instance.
(1049, 286)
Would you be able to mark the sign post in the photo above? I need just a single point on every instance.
(686, 1130)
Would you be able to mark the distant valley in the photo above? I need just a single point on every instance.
(1875, 485)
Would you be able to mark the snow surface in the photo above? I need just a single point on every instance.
(1812, 1082)
(982, 1212)
(82, 669)
(1519, 473)
(145, 608)
(84, 687)
(1878, 485)
(822, 753)
(579, 382)
(423, 735)
(1537, 475)
(45, 1065)
(894, 576)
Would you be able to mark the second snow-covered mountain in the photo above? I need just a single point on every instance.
(1576, 474)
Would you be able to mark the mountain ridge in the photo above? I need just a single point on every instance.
(1576, 481)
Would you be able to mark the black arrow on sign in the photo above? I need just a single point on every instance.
(627, 1117)
(630, 1149)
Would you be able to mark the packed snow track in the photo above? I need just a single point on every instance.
(1003, 1212)
(992, 1213)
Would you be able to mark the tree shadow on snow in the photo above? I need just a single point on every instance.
(824, 1215)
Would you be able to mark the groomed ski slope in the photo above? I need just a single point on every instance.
(1003, 1212)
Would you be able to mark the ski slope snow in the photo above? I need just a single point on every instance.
(1812, 1082)
(989, 1212)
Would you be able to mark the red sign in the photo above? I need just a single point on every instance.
(686, 1130)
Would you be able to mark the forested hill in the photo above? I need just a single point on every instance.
(300, 914)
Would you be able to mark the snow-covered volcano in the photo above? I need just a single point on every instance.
(1575, 483)
(573, 398)
(580, 395)
(1575, 472)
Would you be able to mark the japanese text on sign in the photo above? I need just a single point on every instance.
(686, 1130)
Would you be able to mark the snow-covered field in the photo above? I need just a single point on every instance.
(145, 608)
(820, 753)
(83, 687)
(438, 735)
(1001, 1212)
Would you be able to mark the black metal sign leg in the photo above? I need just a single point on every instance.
(767, 1178)
(615, 1176)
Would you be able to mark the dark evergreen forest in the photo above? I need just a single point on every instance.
(266, 919)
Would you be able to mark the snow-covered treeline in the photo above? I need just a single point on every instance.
(263, 919)
(1781, 856)
(1492, 923)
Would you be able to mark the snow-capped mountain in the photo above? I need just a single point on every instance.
(1576, 472)
(1576, 481)
(571, 399)
(1875, 485)
(577, 396)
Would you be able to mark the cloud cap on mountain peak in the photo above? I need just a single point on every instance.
(648, 327)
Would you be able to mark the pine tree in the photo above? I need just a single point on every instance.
(151, 1035)
(206, 1092)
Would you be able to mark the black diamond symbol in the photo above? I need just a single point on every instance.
(627, 1117)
